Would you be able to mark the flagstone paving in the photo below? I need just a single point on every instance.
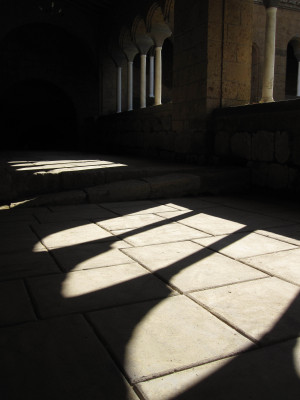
(175, 299)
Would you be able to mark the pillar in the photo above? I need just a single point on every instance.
(269, 54)
(158, 76)
(130, 86)
(143, 84)
(119, 89)
(151, 76)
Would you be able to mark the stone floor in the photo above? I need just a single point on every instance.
(189, 298)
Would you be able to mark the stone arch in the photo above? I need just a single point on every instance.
(139, 34)
(292, 86)
(255, 74)
(156, 25)
(169, 13)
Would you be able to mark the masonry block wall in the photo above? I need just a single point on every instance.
(265, 138)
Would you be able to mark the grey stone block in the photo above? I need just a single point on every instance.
(174, 185)
(263, 146)
(282, 147)
(241, 145)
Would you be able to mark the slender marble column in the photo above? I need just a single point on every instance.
(269, 61)
(143, 84)
(119, 89)
(151, 77)
(130, 86)
(158, 76)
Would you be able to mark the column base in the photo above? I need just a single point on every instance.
(267, 100)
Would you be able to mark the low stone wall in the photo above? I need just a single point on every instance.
(264, 137)
(150, 132)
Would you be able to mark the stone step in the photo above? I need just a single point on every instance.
(201, 181)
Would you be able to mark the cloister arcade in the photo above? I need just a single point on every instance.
(111, 57)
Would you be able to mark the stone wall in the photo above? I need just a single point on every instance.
(148, 132)
(264, 137)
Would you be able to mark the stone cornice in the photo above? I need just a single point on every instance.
(287, 4)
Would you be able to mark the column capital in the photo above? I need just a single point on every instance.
(271, 3)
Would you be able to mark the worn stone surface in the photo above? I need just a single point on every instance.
(71, 233)
(188, 266)
(284, 265)
(256, 307)
(19, 264)
(148, 338)
(95, 289)
(136, 207)
(242, 245)
(88, 256)
(167, 232)
(255, 375)
(79, 212)
(15, 304)
(40, 357)
(289, 234)
(130, 221)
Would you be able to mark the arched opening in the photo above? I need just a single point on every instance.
(37, 115)
(255, 75)
(291, 72)
(45, 72)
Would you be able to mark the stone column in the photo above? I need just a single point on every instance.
(144, 43)
(296, 47)
(269, 54)
(119, 89)
(158, 33)
(143, 85)
(151, 76)
(158, 76)
(130, 86)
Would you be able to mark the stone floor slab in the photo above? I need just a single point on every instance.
(129, 221)
(95, 289)
(163, 234)
(224, 220)
(270, 373)
(88, 256)
(79, 212)
(136, 207)
(19, 241)
(266, 310)
(15, 304)
(289, 234)
(24, 264)
(59, 359)
(187, 203)
(285, 264)
(244, 245)
(188, 266)
(153, 338)
(71, 233)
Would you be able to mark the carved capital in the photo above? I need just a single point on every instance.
(271, 3)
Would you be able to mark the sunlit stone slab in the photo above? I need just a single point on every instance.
(188, 266)
(269, 373)
(157, 337)
(266, 310)
(244, 245)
